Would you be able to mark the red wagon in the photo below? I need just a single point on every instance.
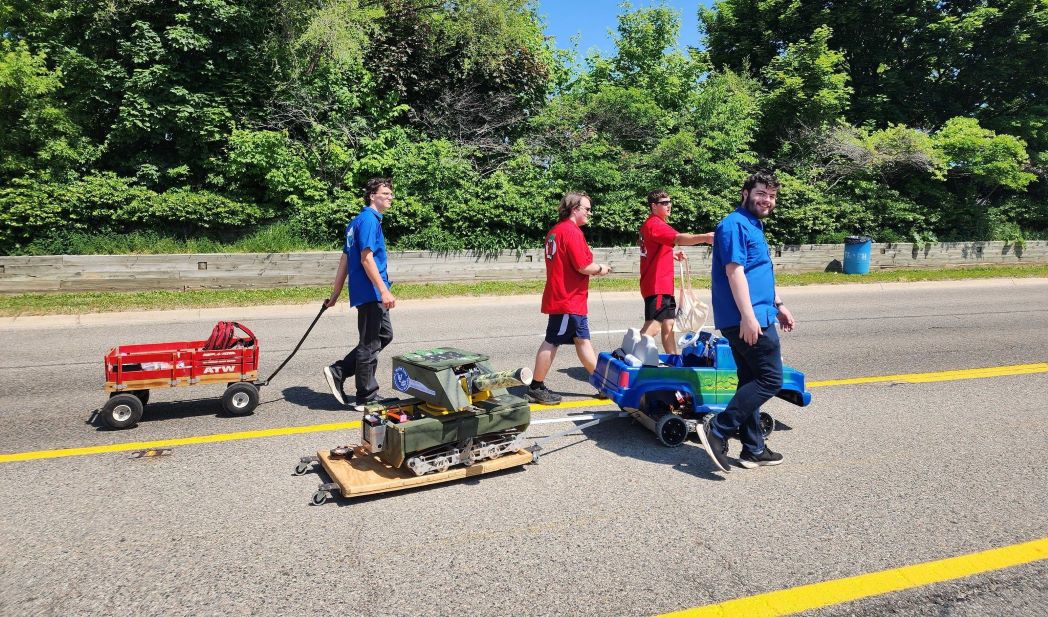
(131, 371)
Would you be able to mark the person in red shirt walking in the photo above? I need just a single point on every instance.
(657, 239)
(569, 265)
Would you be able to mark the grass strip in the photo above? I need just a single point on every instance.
(103, 302)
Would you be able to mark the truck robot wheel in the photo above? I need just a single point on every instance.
(767, 424)
(122, 411)
(671, 430)
(240, 398)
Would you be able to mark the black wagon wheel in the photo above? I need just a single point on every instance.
(240, 398)
(671, 430)
(122, 410)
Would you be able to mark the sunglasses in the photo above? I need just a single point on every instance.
(665, 202)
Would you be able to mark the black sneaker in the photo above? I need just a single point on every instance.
(333, 375)
(753, 461)
(716, 447)
(366, 404)
(543, 396)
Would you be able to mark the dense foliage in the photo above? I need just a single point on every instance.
(216, 120)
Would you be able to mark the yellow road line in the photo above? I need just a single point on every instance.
(971, 373)
(827, 593)
(977, 373)
(182, 441)
(586, 402)
(185, 441)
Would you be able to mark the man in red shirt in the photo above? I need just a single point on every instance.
(569, 264)
(656, 267)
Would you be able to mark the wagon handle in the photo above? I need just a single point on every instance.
(323, 307)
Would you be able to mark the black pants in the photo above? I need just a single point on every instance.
(759, 367)
(375, 332)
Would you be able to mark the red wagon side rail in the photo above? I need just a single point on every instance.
(178, 364)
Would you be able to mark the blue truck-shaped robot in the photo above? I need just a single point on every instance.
(671, 394)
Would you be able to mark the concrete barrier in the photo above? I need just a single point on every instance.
(66, 273)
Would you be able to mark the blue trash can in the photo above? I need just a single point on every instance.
(857, 254)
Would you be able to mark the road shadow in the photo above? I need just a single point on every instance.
(301, 396)
(209, 406)
(170, 410)
(627, 438)
(577, 373)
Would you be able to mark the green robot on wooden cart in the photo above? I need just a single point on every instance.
(460, 412)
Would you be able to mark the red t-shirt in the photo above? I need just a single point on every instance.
(566, 251)
(656, 257)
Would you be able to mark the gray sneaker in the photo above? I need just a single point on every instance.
(543, 396)
(333, 375)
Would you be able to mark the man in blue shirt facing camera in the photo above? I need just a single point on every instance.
(745, 309)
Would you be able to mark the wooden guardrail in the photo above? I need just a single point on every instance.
(66, 273)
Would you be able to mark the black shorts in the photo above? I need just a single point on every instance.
(659, 308)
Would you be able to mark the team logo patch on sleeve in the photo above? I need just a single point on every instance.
(551, 246)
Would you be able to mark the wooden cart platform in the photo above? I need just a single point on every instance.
(366, 474)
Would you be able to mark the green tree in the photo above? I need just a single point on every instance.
(918, 63)
(36, 133)
(650, 116)
(981, 167)
(807, 88)
(160, 85)
(984, 158)
(471, 71)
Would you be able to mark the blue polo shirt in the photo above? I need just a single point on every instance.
(739, 238)
(365, 232)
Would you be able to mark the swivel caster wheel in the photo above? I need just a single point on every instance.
(301, 469)
(319, 497)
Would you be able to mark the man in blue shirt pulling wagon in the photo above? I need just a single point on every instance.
(363, 263)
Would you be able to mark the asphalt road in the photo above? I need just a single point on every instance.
(876, 476)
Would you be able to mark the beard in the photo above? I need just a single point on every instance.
(751, 206)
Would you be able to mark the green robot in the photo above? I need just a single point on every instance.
(460, 412)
